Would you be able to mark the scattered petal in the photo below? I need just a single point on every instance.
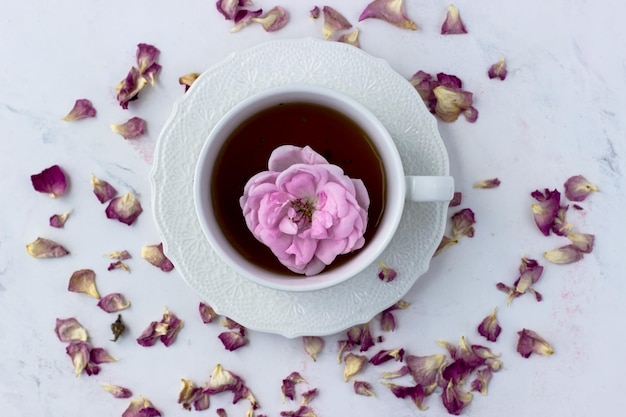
(229, 8)
(118, 265)
(454, 399)
(51, 181)
(582, 241)
(126, 209)
(233, 325)
(207, 314)
(99, 355)
(45, 248)
(577, 188)
(462, 223)
(308, 396)
(387, 355)
(141, 408)
(391, 11)
(366, 341)
(352, 365)
(84, 281)
(387, 319)
(232, 340)
(314, 12)
(415, 393)
(560, 226)
(564, 255)
(480, 383)
(489, 327)
(244, 18)
(118, 328)
(113, 303)
(351, 38)
(546, 208)
(132, 128)
(82, 109)
(221, 412)
(498, 70)
(425, 369)
(58, 220)
(313, 345)
(288, 386)
(151, 73)
(333, 22)
(273, 20)
(397, 374)
(146, 56)
(530, 342)
(102, 189)
(363, 388)
(154, 254)
(386, 274)
(117, 391)
(530, 272)
(129, 87)
(172, 325)
(453, 25)
(344, 346)
(303, 411)
(188, 79)
(445, 243)
(490, 183)
(451, 102)
(119, 255)
(456, 199)
(70, 330)
(79, 353)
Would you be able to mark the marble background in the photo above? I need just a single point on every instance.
(558, 113)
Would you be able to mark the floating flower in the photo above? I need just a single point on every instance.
(577, 188)
(313, 345)
(132, 128)
(274, 19)
(489, 327)
(498, 70)
(490, 183)
(102, 189)
(564, 255)
(70, 330)
(45, 248)
(84, 281)
(51, 181)
(125, 209)
(188, 79)
(333, 22)
(453, 25)
(546, 208)
(154, 255)
(353, 364)
(82, 109)
(391, 11)
(530, 342)
(58, 220)
(141, 408)
(305, 210)
(117, 391)
(386, 274)
(113, 303)
(363, 388)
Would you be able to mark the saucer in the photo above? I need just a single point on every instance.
(341, 67)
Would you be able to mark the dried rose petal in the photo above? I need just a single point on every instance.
(113, 303)
(530, 272)
(146, 56)
(232, 340)
(84, 281)
(117, 391)
(530, 342)
(207, 314)
(314, 12)
(132, 128)
(546, 208)
(288, 386)
(303, 411)
(308, 396)
(454, 399)
(462, 223)
(351, 38)
(221, 412)
(244, 18)
(366, 341)
(154, 254)
(141, 408)
(50, 181)
(119, 255)
(313, 345)
(273, 20)
(560, 226)
(58, 220)
(577, 188)
(363, 388)
(70, 330)
(456, 199)
(188, 79)
(391, 11)
(79, 353)
(386, 274)
(387, 319)
(192, 396)
(99, 355)
(582, 241)
(222, 380)
(415, 393)
(445, 243)
(564, 255)
(344, 346)
(451, 102)
(102, 189)
(490, 183)
(172, 325)
(45, 248)
(229, 8)
(129, 87)
(333, 22)
(498, 70)
(82, 109)
(425, 369)
(352, 365)
(424, 83)
(118, 265)
(489, 327)
(453, 25)
(126, 209)
(387, 355)
(480, 383)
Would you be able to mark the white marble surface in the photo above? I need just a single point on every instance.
(559, 113)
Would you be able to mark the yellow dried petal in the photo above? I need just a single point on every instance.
(352, 365)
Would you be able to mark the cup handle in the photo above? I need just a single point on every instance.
(433, 188)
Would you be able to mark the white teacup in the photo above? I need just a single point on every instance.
(399, 187)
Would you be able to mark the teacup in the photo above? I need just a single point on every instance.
(397, 188)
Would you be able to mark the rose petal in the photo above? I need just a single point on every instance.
(564, 255)
(462, 223)
(141, 408)
(363, 388)
(546, 208)
(333, 22)
(82, 109)
(45, 248)
(274, 19)
(391, 11)
(132, 128)
(314, 12)
(498, 70)
(58, 220)
(308, 396)
(386, 274)
(117, 391)
(454, 399)
(118, 265)
(70, 330)
(582, 241)
(79, 354)
(154, 254)
(99, 355)
(415, 393)
(126, 209)
(489, 327)
(530, 342)
(453, 25)
(288, 386)
(313, 345)
(244, 18)
(480, 383)
(387, 355)
(113, 303)
(102, 189)
(451, 102)
(577, 188)
(232, 340)
(425, 369)
(353, 364)
(84, 281)
(229, 8)
(560, 226)
(188, 79)
(51, 181)
(129, 87)
(456, 199)
(445, 243)
(351, 38)
(119, 255)
(151, 73)
(396, 374)
(490, 183)
(207, 314)
(172, 325)
(146, 56)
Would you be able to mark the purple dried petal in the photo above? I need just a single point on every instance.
(391, 11)
(221, 412)
(366, 340)
(207, 314)
(151, 73)
(471, 114)
(84, 281)
(387, 321)
(58, 220)
(99, 355)
(126, 209)
(188, 79)
(530, 342)
(129, 87)
(102, 189)
(273, 20)
(222, 380)
(117, 391)
(233, 325)
(489, 327)
(82, 109)
(456, 199)
(154, 254)
(50, 181)
(363, 388)
(457, 371)
(70, 330)
(232, 340)
(151, 334)
(449, 81)
(564, 255)
(141, 408)
(351, 38)
(560, 226)
(425, 369)
(397, 374)
(313, 345)
(451, 102)
(333, 22)
(146, 56)
(480, 383)
(118, 265)
(445, 243)
(353, 364)
(424, 83)
(132, 128)
(386, 274)
(415, 393)
(229, 8)
(244, 17)
(546, 208)
(303, 411)
(577, 188)
(498, 70)
(314, 12)
(462, 223)
(344, 346)
(288, 388)
(119, 255)
(387, 355)
(113, 303)
(453, 25)
(45, 248)
(582, 241)
(172, 325)
(454, 399)
(79, 354)
(490, 183)
(308, 396)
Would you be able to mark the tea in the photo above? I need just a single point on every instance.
(247, 150)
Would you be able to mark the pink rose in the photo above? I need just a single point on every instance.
(305, 210)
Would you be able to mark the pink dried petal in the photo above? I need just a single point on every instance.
(490, 359)
(119, 255)
(387, 355)
(129, 87)
(288, 387)
(84, 281)
(353, 364)
(490, 183)
(530, 342)
(45, 248)
(151, 334)
(397, 374)
(462, 223)
(232, 340)
(79, 354)
(141, 408)
(424, 83)
(154, 254)
(415, 393)
(146, 56)
(498, 70)
(151, 73)
(113, 303)
(313, 345)
(132, 128)
(577, 188)
(118, 265)
(454, 399)
(222, 380)
(99, 355)
(387, 319)
(386, 274)
(344, 346)
(582, 241)
(233, 325)
(471, 114)
(489, 327)
(481, 382)
(126, 209)
(188, 79)
(451, 102)
(363, 388)
(273, 20)
(50, 181)
(173, 325)
(546, 208)
(229, 8)
(308, 396)
(70, 330)
(564, 255)
(221, 412)
(425, 369)
(366, 340)
(303, 411)
(82, 109)
(117, 391)
(391, 11)
(457, 371)
(244, 18)
(351, 38)
(560, 226)
(449, 81)
(58, 220)
(207, 314)
(333, 22)
(102, 189)
(456, 199)
(445, 243)
(314, 12)
(453, 25)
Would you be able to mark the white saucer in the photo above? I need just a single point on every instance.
(338, 66)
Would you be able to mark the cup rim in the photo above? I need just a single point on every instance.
(322, 96)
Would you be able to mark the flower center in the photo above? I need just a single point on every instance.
(303, 210)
